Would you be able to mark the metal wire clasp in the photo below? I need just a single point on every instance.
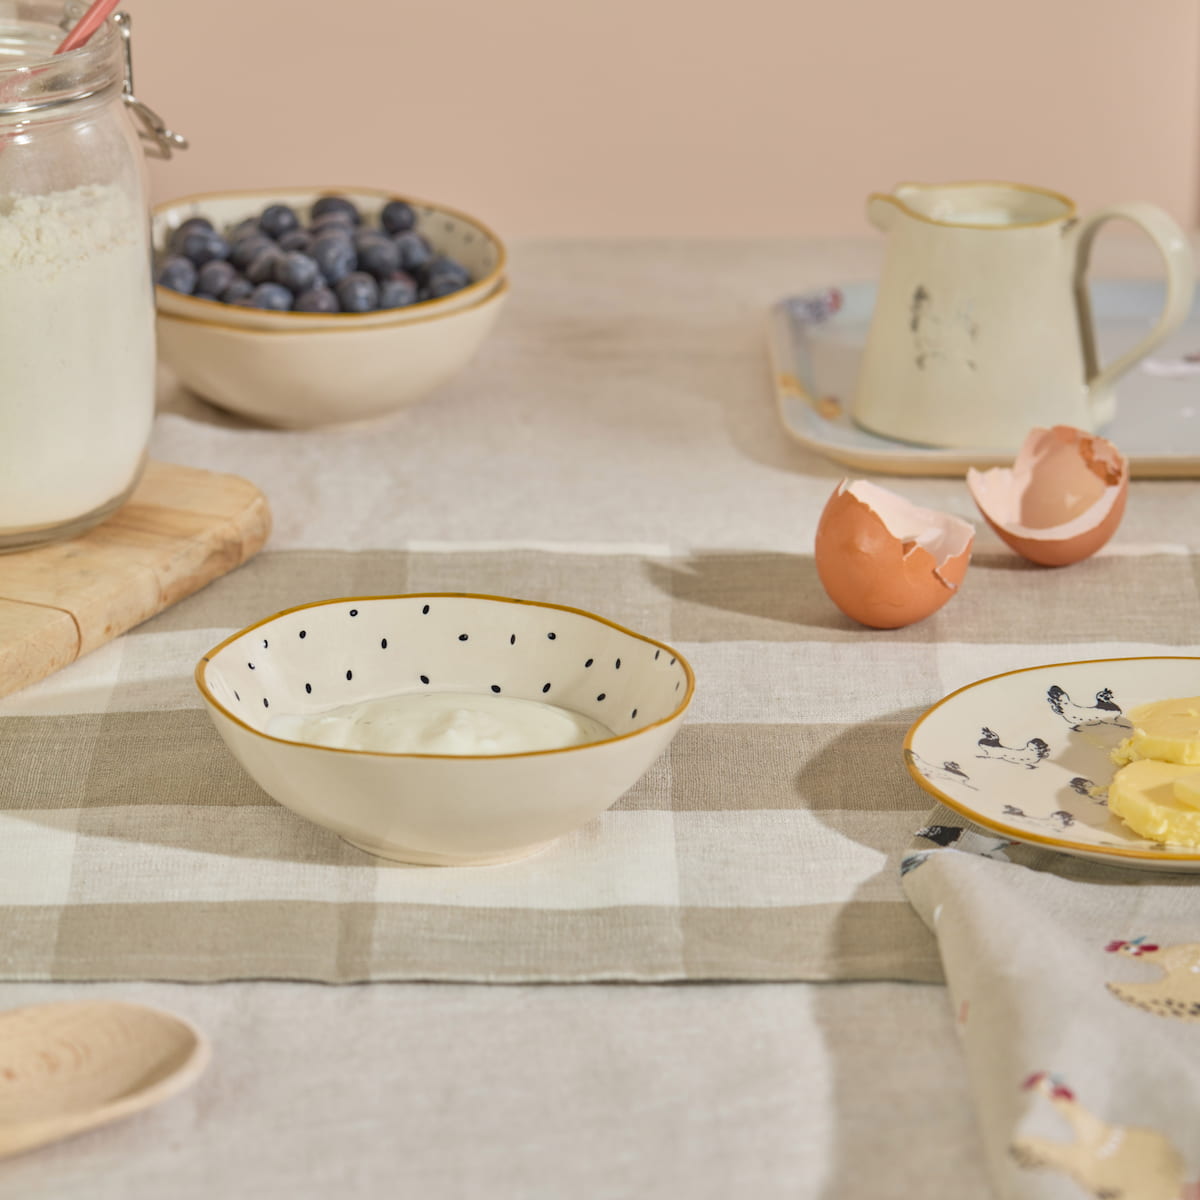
(161, 142)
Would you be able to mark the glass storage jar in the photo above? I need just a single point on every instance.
(76, 297)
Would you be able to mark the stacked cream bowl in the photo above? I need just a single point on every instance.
(304, 369)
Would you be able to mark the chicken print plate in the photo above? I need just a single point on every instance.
(1027, 754)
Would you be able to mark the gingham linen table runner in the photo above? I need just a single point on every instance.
(614, 447)
(764, 845)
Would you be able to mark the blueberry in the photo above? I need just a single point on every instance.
(178, 274)
(262, 269)
(246, 249)
(297, 272)
(398, 290)
(271, 295)
(397, 216)
(379, 258)
(240, 289)
(215, 277)
(368, 237)
(243, 229)
(298, 239)
(443, 285)
(336, 204)
(191, 225)
(204, 295)
(358, 293)
(328, 222)
(203, 245)
(278, 219)
(415, 251)
(441, 265)
(317, 300)
(335, 255)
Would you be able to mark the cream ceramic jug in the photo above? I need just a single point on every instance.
(982, 327)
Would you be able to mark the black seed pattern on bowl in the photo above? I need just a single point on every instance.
(569, 689)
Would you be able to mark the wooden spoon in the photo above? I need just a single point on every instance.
(72, 1066)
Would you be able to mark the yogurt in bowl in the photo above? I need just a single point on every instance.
(445, 729)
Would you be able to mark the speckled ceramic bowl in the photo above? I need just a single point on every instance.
(442, 809)
(462, 237)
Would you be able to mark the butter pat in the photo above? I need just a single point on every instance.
(1187, 789)
(1144, 795)
(1168, 730)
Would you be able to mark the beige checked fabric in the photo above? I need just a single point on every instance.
(764, 845)
(614, 447)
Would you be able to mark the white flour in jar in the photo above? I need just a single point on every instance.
(76, 352)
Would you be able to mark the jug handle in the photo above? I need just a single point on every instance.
(1180, 267)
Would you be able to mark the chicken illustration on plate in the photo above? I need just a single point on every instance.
(948, 772)
(1089, 789)
(1105, 711)
(1028, 755)
(1059, 819)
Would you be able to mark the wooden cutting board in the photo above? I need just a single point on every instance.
(181, 528)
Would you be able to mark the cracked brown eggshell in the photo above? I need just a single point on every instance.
(884, 561)
(1060, 501)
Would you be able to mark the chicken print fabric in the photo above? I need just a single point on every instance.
(1078, 992)
(1174, 991)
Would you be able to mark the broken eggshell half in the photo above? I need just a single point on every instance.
(886, 562)
(1062, 498)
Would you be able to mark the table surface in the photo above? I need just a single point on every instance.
(626, 399)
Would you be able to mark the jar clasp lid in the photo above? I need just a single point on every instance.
(161, 141)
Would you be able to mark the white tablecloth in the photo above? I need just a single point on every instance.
(625, 398)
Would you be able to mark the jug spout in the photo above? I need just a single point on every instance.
(883, 210)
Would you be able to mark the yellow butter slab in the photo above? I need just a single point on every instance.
(1142, 794)
(1168, 730)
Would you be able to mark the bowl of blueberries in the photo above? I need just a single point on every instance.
(305, 307)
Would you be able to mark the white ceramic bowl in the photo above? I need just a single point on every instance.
(324, 376)
(441, 809)
(462, 237)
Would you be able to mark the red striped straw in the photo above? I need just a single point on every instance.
(97, 13)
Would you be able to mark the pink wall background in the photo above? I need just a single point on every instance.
(677, 116)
